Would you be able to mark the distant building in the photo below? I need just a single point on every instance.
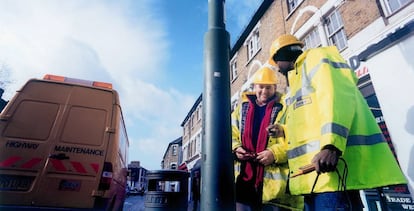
(173, 155)
(192, 135)
(137, 176)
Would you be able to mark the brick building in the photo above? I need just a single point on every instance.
(375, 36)
(192, 126)
(363, 31)
(173, 155)
(137, 177)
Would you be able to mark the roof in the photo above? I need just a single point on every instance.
(178, 141)
(195, 105)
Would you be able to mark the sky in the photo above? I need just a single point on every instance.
(150, 50)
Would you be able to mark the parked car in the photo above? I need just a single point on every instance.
(133, 191)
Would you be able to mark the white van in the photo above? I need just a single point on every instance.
(63, 144)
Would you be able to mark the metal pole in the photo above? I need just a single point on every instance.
(217, 189)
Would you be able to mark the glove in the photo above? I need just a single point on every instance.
(327, 159)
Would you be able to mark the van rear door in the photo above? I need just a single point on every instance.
(55, 136)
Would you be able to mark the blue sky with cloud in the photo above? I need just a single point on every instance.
(151, 50)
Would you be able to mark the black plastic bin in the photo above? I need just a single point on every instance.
(167, 190)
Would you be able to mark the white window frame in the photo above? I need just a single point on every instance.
(386, 5)
(293, 4)
(192, 120)
(185, 153)
(193, 147)
(190, 124)
(336, 34)
(312, 39)
(190, 155)
(252, 42)
(318, 21)
(174, 149)
(198, 143)
(199, 112)
(233, 68)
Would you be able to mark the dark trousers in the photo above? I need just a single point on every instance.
(346, 201)
(247, 194)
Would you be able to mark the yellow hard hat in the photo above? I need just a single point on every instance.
(265, 75)
(280, 42)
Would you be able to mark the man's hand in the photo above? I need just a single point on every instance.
(275, 131)
(243, 154)
(326, 160)
(265, 157)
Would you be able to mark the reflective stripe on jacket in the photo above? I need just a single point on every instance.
(276, 174)
(326, 107)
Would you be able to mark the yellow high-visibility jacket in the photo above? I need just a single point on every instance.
(276, 174)
(325, 107)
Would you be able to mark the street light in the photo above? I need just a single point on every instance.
(217, 182)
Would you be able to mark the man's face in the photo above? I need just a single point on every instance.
(264, 92)
(285, 66)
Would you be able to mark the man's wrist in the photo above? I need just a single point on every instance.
(333, 148)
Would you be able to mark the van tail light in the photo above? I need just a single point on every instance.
(106, 177)
(100, 84)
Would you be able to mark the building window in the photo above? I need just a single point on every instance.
(193, 147)
(192, 120)
(198, 142)
(233, 69)
(185, 154)
(174, 150)
(336, 32)
(293, 4)
(391, 6)
(312, 39)
(199, 112)
(253, 43)
(189, 150)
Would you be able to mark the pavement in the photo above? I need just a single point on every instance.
(137, 203)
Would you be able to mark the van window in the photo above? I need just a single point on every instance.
(123, 141)
(32, 120)
(84, 126)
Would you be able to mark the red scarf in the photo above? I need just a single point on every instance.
(261, 141)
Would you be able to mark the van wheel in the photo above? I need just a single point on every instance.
(112, 207)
